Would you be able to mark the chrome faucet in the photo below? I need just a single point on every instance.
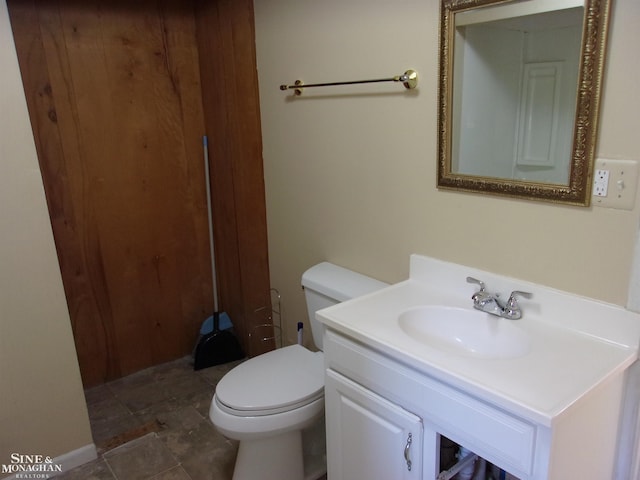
(490, 303)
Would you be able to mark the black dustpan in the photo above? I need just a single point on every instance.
(217, 347)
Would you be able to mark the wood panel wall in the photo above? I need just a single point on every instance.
(116, 104)
(232, 110)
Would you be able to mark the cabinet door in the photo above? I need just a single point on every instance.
(368, 437)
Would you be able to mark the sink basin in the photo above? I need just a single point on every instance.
(465, 332)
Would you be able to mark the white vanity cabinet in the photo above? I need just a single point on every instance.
(374, 403)
(370, 436)
(548, 410)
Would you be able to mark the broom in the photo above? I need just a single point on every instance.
(224, 322)
(217, 344)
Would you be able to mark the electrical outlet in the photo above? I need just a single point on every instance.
(601, 183)
(615, 183)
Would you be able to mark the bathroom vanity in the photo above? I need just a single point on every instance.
(540, 397)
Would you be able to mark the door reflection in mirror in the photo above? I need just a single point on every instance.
(514, 118)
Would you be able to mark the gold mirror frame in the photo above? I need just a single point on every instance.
(578, 190)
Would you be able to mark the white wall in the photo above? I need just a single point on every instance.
(42, 405)
(352, 178)
(489, 103)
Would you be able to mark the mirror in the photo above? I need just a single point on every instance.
(519, 96)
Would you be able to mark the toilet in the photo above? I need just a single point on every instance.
(273, 404)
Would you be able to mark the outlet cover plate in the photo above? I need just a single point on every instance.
(622, 184)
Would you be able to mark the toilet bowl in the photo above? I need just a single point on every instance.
(267, 410)
(254, 400)
(273, 404)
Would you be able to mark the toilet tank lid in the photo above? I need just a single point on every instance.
(339, 283)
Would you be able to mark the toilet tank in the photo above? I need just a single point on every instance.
(327, 284)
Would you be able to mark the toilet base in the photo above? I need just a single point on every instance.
(272, 458)
(314, 447)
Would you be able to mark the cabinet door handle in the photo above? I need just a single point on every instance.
(407, 457)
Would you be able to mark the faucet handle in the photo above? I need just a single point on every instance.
(512, 309)
(515, 293)
(477, 282)
(480, 296)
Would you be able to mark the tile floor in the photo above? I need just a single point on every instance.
(154, 424)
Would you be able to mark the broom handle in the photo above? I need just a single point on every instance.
(205, 144)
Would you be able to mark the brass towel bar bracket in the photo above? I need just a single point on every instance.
(409, 79)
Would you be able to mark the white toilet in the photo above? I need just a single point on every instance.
(267, 401)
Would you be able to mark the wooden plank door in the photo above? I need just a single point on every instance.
(114, 94)
(225, 31)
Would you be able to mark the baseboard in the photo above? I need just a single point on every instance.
(60, 464)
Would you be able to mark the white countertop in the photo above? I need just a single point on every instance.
(576, 343)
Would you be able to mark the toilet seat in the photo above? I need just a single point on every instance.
(275, 382)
